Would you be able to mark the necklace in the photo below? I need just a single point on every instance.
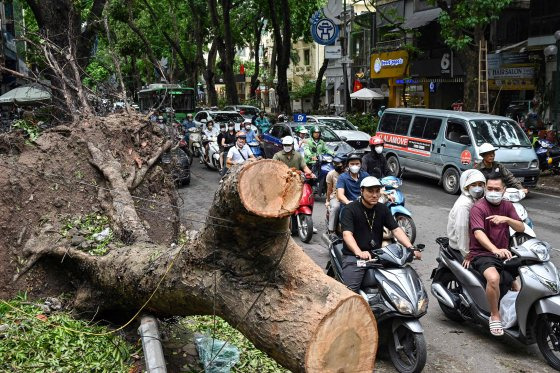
(370, 222)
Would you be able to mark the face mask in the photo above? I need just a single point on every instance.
(476, 192)
(354, 169)
(231, 128)
(287, 148)
(494, 197)
(339, 169)
(379, 149)
(223, 129)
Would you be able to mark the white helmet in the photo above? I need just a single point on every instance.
(247, 121)
(370, 181)
(287, 140)
(486, 147)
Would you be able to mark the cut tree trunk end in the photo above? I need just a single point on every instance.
(266, 286)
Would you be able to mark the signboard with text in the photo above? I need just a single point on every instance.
(388, 64)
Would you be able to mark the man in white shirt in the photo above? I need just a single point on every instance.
(241, 152)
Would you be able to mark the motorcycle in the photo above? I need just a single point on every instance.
(323, 166)
(396, 297)
(302, 220)
(212, 159)
(461, 295)
(195, 137)
(256, 149)
(402, 214)
(548, 155)
(515, 196)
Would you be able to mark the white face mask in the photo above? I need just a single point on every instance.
(231, 128)
(354, 169)
(379, 149)
(476, 192)
(287, 148)
(223, 129)
(494, 197)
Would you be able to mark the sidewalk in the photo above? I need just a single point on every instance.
(548, 183)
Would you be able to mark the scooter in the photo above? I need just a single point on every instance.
(212, 159)
(256, 149)
(548, 155)
(302, 220)
(515, 196)
(396, 297)
(461, 295)
(323, 167)
(195, 137)
(402, 215)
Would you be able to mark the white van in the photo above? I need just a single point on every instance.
(442, 143)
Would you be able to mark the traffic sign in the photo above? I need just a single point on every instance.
(301, 118)
(323, 30)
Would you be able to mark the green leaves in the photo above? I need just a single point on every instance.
(31, 345)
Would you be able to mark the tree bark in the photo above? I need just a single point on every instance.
(282, 31)
(209, 76)
(256, 47)
(266, 286)
(319, 83)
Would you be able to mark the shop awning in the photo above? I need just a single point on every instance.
(420, 19)
(517, 47)
(25, 95)
(366, 94)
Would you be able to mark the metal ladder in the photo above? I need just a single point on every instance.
(483, 101)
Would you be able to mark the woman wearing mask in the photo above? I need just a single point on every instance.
(332, 201)
(472, 183)
(228, 141)
(374, 163)
(251, 135)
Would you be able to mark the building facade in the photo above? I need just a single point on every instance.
(11, 51)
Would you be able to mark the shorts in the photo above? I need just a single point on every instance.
(482, 263)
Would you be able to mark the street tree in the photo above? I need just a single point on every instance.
(464, 25)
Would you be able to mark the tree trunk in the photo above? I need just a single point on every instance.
(209, 76)
(282, 31)
(319, 83)
(469, 59)
(265, 285)
(272, 71)
(257, 47)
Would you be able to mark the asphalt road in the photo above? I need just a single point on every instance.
(452, 347)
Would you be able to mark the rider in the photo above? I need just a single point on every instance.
(332, 203)
(221, 136)
(362, 231)
(228, 139)
(251, 135)
(241, 152)
(314, 148)
(348, 183)
(301, 139)
(188, 122)
(472, 184)
(262, 122)
(210, 132)
(490, 220)
(292, 158)
(374, 163)
(489, 166)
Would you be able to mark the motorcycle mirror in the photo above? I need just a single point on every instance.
(420, 247)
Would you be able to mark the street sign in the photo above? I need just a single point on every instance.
(333, 51)
(323, 30)
(300, 118)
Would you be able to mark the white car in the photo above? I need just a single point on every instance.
(218, 116)
(359, 140)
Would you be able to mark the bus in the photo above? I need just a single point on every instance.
(163, 96)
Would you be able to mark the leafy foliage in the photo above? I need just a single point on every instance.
(365, 122)
(307, 90)
(31, 130)
(251, 359)
(90, 225)
(31, 344)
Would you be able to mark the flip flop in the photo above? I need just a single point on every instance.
(496, 328)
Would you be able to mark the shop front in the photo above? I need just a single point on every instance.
(388, 68)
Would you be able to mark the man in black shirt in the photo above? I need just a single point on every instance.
(362, 230)
(374, 163)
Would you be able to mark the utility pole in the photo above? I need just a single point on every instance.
(344, 60)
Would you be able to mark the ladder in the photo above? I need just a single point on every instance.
(483, 102)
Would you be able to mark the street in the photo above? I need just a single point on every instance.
(452, 347)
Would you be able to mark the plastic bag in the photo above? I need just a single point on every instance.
(507, 309)
(216, 356)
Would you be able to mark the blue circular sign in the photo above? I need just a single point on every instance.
(324, 31)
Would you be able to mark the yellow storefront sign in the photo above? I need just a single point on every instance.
(388, 64)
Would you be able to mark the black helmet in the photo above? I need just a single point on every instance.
(354, 156)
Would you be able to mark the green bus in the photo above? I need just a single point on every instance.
(163, 96)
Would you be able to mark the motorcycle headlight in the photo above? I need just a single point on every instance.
(534, 164)
(541, 250)
(423, 304)
(400, 303)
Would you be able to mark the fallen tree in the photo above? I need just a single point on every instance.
(242, 266)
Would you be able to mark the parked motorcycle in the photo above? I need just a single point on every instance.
(212, 159)
(548, 155)
(396, 297)
(461, 295)
(402, 214)
(195, 141)
(302, 220)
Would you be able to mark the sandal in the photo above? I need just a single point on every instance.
(496, 328)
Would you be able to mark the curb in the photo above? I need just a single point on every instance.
(546, 188)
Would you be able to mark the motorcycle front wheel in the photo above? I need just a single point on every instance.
(407, 224)
(305, 227)
(548, 338)
(411, 356)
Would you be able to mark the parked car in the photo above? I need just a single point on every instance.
(443, 143)
(272, 140)
(247, 111)
(218, 116)
(359, 140)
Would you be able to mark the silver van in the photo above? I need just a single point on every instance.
(442, 143)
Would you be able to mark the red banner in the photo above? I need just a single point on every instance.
(357, 85)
